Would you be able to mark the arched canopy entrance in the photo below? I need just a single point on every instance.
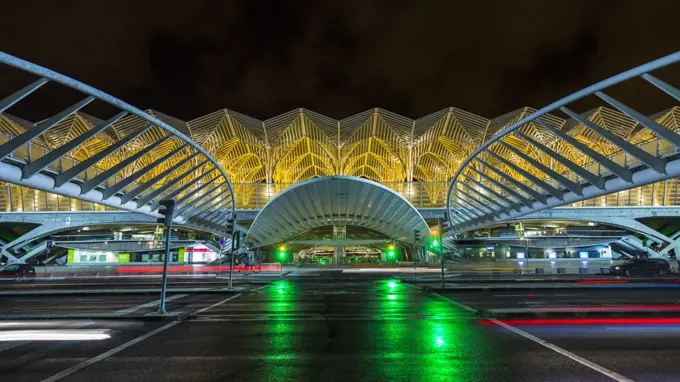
(336, 200)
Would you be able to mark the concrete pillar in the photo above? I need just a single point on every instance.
(339, 233)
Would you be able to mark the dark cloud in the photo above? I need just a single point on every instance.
(261, 58)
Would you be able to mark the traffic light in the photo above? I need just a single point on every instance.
(167, 211)
(416, 236)
(230, 226)
(391, 252)
(435, 238)
(281, 253)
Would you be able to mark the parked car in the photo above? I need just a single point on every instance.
(18, 273)
(637, 267)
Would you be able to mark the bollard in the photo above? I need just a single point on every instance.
(561, 271)
(539, 271)
(582, 270)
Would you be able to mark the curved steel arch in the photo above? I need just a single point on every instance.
(335, 200)
(485, 189)
(209, 207)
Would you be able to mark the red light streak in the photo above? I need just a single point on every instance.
(587, 321)
(602, 281)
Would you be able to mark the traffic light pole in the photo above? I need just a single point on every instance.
(234, 246)
(441, 260)
(415, 238)
(167, 211)
(165, 268)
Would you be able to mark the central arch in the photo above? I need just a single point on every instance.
(336, 200)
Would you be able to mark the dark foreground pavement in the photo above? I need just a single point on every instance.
(342, 331)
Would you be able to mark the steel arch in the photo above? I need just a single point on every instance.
(185, 159)
(335, 200)
(499, 182)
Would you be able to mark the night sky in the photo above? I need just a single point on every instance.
(261, 58)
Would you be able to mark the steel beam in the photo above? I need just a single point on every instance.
(16, 142)
(619, 170)
(145, 186)
(668, 89)
(534, 179)
(173, 194)
(647, 122)
(103, 176)
(510, 203)
(527, 190)
(510, 191)
(595, 180)
(138, 173)
(71, 173)
(650, 160)
(10, 100)
(185, 199)
(573, 187)
(47, 159)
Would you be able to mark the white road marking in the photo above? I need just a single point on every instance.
(135, 341)
(109, 353)
(147, 305)
(601, 369)
(226, 300)
(122, 312)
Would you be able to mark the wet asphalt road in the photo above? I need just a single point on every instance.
(342, 331)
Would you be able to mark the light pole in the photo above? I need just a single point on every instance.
(235, 245)
(416, 236)
(167, 211)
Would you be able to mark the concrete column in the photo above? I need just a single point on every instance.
(339, 233)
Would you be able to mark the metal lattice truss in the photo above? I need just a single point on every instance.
(376, 144)
(336, 200)
(536, 160)
(128, 161)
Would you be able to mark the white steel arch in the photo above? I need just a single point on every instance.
(531, 166)
(336, 200)
(159, 161)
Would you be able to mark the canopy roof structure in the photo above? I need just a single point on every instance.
(332, 201)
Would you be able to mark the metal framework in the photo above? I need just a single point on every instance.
(335, 201)
(537, 160)
(128, 161)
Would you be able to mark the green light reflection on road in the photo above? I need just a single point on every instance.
(280, 361)
(444, 346)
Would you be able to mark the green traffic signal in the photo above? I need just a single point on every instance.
(282, 253)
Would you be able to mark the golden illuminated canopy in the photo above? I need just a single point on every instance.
(377, 144)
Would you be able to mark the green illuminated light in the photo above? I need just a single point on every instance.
(392, 297)
(439, 341)
(392, 284)
(435, 243)
(390, 253)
